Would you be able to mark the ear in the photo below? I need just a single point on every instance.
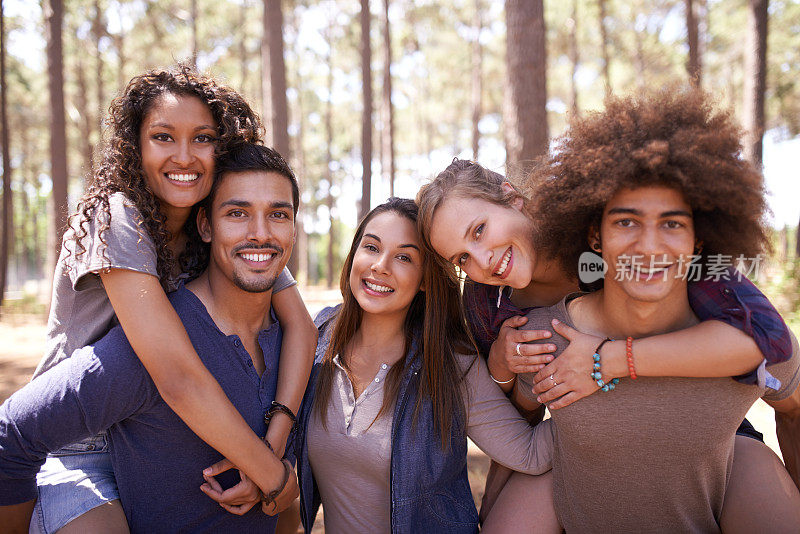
(203, 226)
(517, 202)
(594, 240)
(698, 246)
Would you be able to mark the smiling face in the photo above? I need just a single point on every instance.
(177, 146)
(387, 265)
(251, 228)
(491, 243)
(647, 239)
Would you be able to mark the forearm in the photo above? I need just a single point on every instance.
(16, 518)
(708, 349)
(297, 358)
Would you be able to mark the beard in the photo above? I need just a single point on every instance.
(255, 284)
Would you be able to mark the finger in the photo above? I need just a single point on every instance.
(514, 322)
(544, 386)
(240, 509)
(213, 483)
(534, 349)
(553, 393)
(545, 372)
(563, 329)
(564, 401)
(211, 492)
(240, 493)
(219, 467)
(526, 368)
(524, 336)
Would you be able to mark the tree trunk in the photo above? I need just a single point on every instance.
(278, 105)
(243, 44)
(477, 77)
(574, 58)
(300, 253)
(366, 117)
(641, 64)
(387, 132)
(54, 17)
(604, 47)
(526, 92)
(119, 44)
(330, 271)
(6, 153)
(193, 17)
(86, 121)
(755, 80)
(99, 30)
(797, 242)
(693, 66)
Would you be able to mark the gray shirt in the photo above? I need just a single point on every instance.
(351, 459)
(80, 312)
(655, 454)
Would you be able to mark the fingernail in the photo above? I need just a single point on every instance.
(556, 321)
(539, 400)
(550, 358)
(207, 471)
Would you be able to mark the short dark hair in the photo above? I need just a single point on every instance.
(252, 157)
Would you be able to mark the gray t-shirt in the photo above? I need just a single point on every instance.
(655, 454)
(80, 312)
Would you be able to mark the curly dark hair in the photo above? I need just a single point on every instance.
(120, 168)
(673, 137)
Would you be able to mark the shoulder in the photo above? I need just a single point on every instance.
(539, 318)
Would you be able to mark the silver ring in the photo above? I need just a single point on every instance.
(554, 380)
(518, 352)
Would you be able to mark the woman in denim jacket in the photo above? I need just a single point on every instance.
(395, 392)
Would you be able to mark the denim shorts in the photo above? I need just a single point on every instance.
(71, 482)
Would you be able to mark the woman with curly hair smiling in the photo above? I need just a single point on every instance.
(130, 242)
(509, 240)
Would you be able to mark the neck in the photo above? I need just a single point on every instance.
(176, 218)
(379, 338)
(548, 286)
(612, 313)
(234, 310)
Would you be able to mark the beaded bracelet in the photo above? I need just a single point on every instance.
(629, 354)
(596, 374)
(276, 407)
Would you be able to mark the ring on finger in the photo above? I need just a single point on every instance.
(518, 352)
(554, 380)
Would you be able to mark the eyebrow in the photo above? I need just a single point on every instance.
(404, 245)
(171, 127)
(246, 203)
(638, 213)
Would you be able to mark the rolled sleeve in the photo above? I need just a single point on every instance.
(740, 304)
(285, 280)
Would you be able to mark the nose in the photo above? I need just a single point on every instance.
(259, 231)
(380, 265)
(650, 244)
(484, 258)
(183, 154)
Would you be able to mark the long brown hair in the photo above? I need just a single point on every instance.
(435, 319)
(120, 168)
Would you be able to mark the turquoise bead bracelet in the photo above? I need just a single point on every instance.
(596, 374)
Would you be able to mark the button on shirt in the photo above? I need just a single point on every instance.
(157, 459)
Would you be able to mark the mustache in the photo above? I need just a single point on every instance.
(272, 247)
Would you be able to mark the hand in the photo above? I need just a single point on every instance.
(285, 498)
(237, 500)
(567, 379)
(504, 360)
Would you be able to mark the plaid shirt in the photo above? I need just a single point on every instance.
(735, 301)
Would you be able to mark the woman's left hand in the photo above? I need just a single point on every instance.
(237, 500)
(567, 378)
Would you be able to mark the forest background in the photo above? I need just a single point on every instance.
(372, 98)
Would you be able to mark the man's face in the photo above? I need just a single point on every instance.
(647, 238)
(251, 228)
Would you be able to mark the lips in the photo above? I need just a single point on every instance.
(502, 268)
(184, 176)
(373, 287)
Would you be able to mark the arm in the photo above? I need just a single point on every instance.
(496, 427)
(182, 380)
(787, 426)
(297, 357)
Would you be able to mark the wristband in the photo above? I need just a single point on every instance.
(629, 354)
(500, 382)
(596, 374)
(276, 407)
(270, 497)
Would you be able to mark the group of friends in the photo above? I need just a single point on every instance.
(186, 388)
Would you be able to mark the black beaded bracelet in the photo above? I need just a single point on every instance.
(276, 407)
(270, 497)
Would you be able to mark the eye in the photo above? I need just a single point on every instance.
(205, 138)
(404, 257)
(236, 214)
(162, 137)
(280, 215)
(462, 259)
(370, 247)
(625, 223)
(479, 230)
(673, 225)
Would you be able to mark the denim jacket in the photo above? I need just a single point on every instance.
(429, 487)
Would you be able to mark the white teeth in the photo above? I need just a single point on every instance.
(258, 257)
(504, 263)
(376, 287)
(183, 177)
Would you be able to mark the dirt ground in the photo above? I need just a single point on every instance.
(22, 344)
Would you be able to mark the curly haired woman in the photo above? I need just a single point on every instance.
(129, 243)
(502, 245)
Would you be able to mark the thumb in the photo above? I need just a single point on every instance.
(515, 321)
(563, 329)
(219, 467)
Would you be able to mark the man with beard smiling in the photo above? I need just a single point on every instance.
(248, 225)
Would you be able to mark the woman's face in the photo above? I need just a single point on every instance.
(177, 141)
(491, 243)
(387, 265)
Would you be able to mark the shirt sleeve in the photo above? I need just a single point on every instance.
(499, 430)
(284, 280)
(788, 373)
(123, 245)
(85, 394)
(734, 300)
